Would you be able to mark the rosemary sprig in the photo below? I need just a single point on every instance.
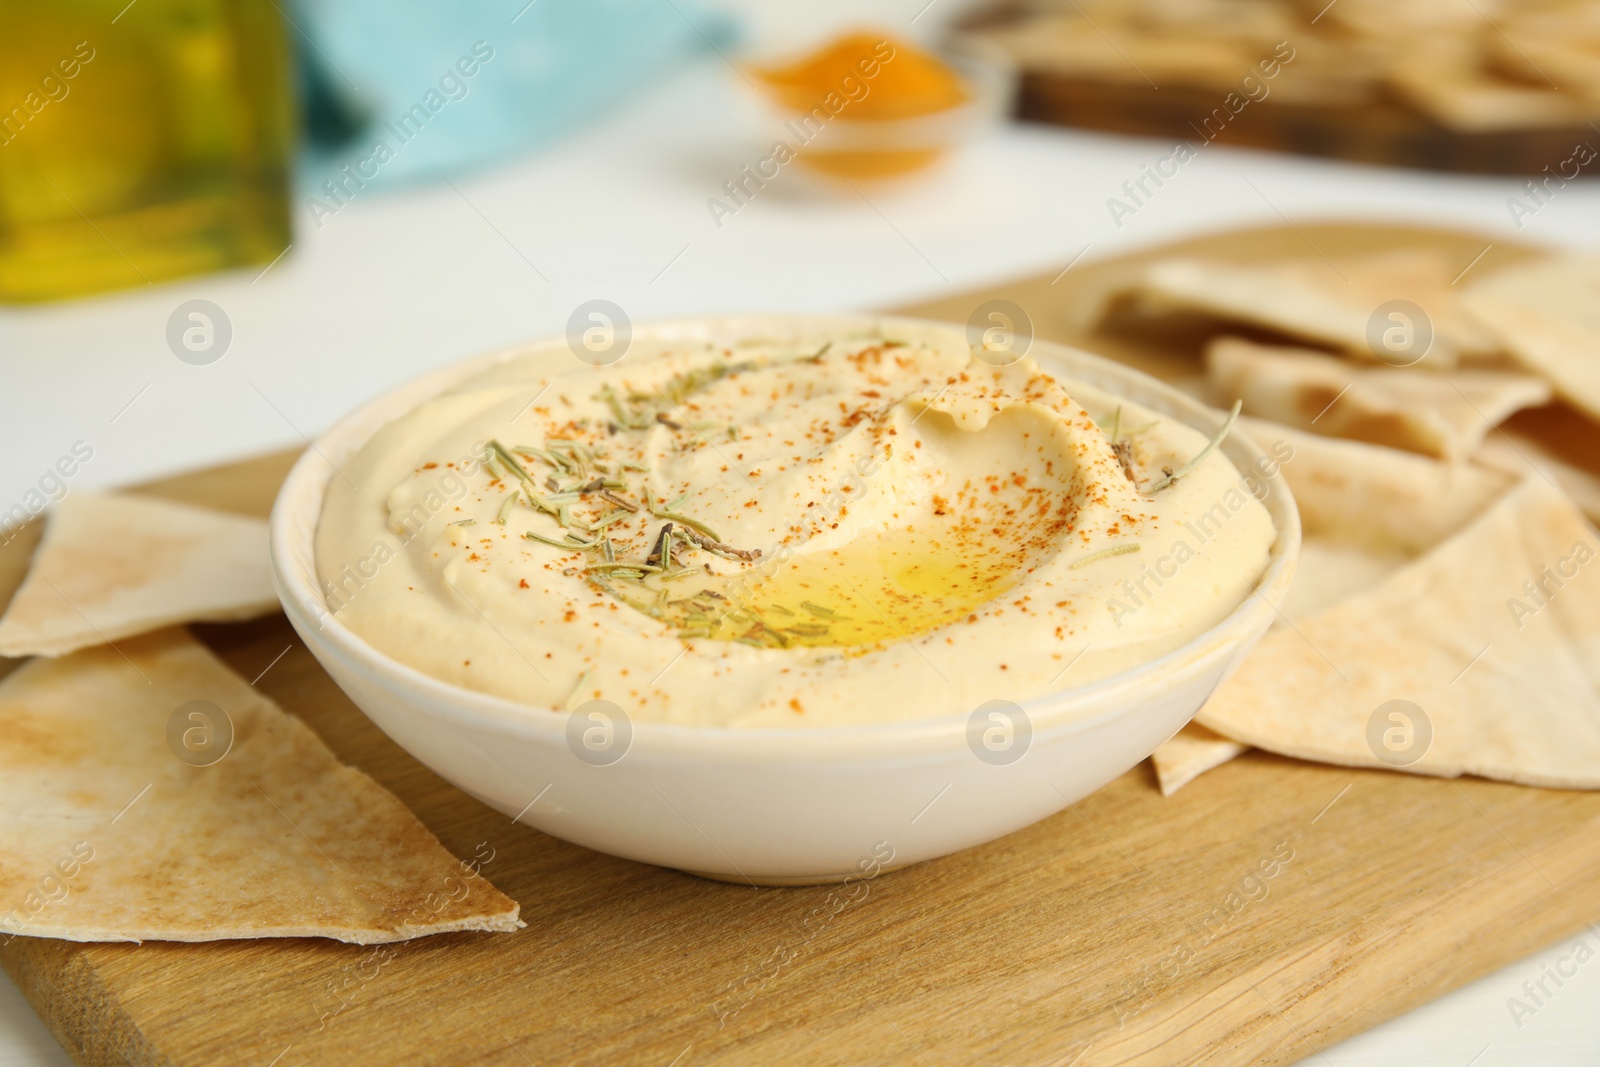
(661, 554)
(1104, 553)
(809, 629)
(510, 462)
(622, 565)
(1124, 453)
(693, 524)
(710, 543)
(577, 690)
(1211, 446)
(569, 546)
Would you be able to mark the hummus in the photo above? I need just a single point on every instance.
(813, 531)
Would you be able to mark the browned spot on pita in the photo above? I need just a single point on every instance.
(90, 576)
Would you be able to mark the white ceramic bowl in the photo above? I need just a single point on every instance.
(792, 806)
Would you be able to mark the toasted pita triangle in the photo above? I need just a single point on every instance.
(1379, 499)
(1366, 513)
(1507, 674)
(113, 566)
(1313, 300)
(1464, 97)
(107, 835)
(1189, 753)
(1517, 454)
(1438, 414)
(1547, 314)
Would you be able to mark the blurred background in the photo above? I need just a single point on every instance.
(223, 223)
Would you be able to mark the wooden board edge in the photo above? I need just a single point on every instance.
(1378, 132)
(63, 987)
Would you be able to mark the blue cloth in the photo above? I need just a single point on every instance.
(413, 89)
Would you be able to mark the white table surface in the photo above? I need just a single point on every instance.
(395, 284)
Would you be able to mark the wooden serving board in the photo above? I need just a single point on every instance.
(1267, 911)
(1381, 131)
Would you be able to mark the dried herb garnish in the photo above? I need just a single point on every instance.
(1122, 445)
(1124, 453)
(808, 629)
(1211, 446)
(577, 689)
(622, 565)
(531, 536)
(711, 544)
(1104, 553)
(661, 554)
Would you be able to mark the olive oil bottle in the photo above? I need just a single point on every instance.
(140, 142)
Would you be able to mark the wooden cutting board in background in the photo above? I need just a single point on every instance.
(1127, 929)
(1380, 130)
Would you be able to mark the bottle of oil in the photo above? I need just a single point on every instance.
(140, 141)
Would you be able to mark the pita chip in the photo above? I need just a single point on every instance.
(1482, 657)
(1189, 753)
(1444, 414)
(1314, 300)
(110, 567)
(1366, 512)
(1563, 50)
(148, 793)
(1466, 98)
(1382, 500)
(1547, 315)
(1517, 454)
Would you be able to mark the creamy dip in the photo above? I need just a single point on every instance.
(812, 531)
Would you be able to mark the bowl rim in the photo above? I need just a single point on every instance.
(292, 536)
